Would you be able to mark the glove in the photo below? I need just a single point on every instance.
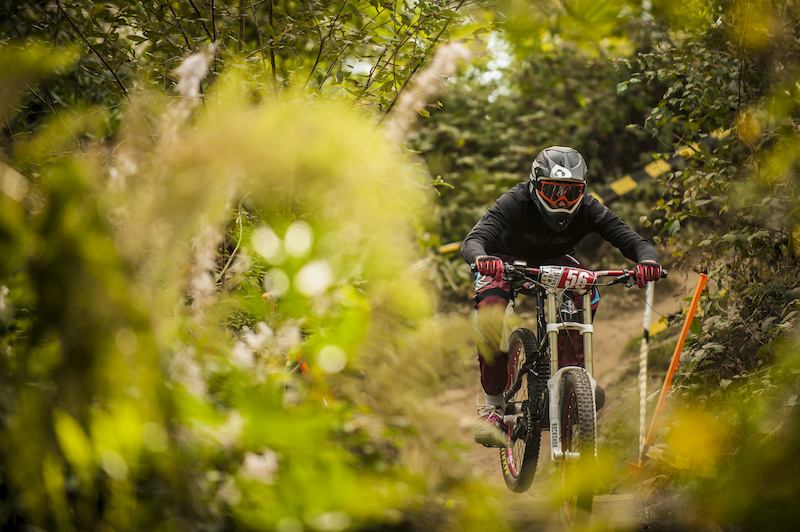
(488, 264)
(647, 270)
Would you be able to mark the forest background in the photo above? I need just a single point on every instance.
(195, 194)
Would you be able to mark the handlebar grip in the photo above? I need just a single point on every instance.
(474, 267)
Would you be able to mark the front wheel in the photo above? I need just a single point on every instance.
(527, 384)
(578, 443)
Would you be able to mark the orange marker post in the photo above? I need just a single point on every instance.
(651, 435)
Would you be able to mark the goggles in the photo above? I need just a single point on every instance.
(555, 191)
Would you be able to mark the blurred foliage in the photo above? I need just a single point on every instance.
(155, 294)
(602, 28)
(367, 51)
(733, 209)
(746, 429)
(176, 235)
(713, 80)
(729, 78)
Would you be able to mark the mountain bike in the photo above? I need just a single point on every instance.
(545, 391)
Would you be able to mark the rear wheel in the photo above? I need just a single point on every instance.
(528, 382)
(578, 443)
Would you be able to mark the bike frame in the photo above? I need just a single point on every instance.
(550, 287)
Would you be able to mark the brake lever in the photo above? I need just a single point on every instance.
(626, 278)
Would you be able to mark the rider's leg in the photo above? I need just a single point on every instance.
(492, 296)
(488, 322)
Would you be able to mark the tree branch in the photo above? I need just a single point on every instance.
(271, 50)
(241, 27)
(200, 15)
(420, 62)
(189, 43)
(322, 42)
(94, 50)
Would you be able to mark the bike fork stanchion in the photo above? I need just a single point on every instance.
(701, 285)
(552, 333)
(587, 331)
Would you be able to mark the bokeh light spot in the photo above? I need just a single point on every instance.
(276, 283)
(331, 359)
(314, 278)
(268, 245)
(298, 239)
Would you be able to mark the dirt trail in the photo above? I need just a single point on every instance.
(619, 318)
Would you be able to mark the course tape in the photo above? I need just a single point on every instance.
(630, 182)
(661, 454)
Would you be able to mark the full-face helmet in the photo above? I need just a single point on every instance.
(558, 183)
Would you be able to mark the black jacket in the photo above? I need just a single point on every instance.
(514, 227)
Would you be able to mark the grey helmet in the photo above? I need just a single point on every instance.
(558, 183)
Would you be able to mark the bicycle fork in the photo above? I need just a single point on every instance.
(555, 324)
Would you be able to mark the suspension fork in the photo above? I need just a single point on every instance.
(541, 323)
(553, 325)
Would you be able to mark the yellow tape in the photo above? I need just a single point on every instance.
(720, 133)
(623, 185)
(449, 248)
(659, 326)
(687, 151)
(681, 462)
(657, 168)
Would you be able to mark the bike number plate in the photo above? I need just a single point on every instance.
(566, 277)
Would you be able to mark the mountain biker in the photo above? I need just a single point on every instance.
(539, 221)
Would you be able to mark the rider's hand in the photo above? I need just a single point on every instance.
(647, 270)
(488, 264)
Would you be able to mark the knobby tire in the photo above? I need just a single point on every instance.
(579, 435)
(520, 457)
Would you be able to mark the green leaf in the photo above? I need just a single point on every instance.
(673, 227)
(757, 235)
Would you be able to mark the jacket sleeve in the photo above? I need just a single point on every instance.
(632, 245)
(487, 230)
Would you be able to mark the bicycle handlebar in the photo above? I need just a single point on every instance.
(568, 277)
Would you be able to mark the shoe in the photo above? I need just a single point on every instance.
(491, 432)
(599, 397)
